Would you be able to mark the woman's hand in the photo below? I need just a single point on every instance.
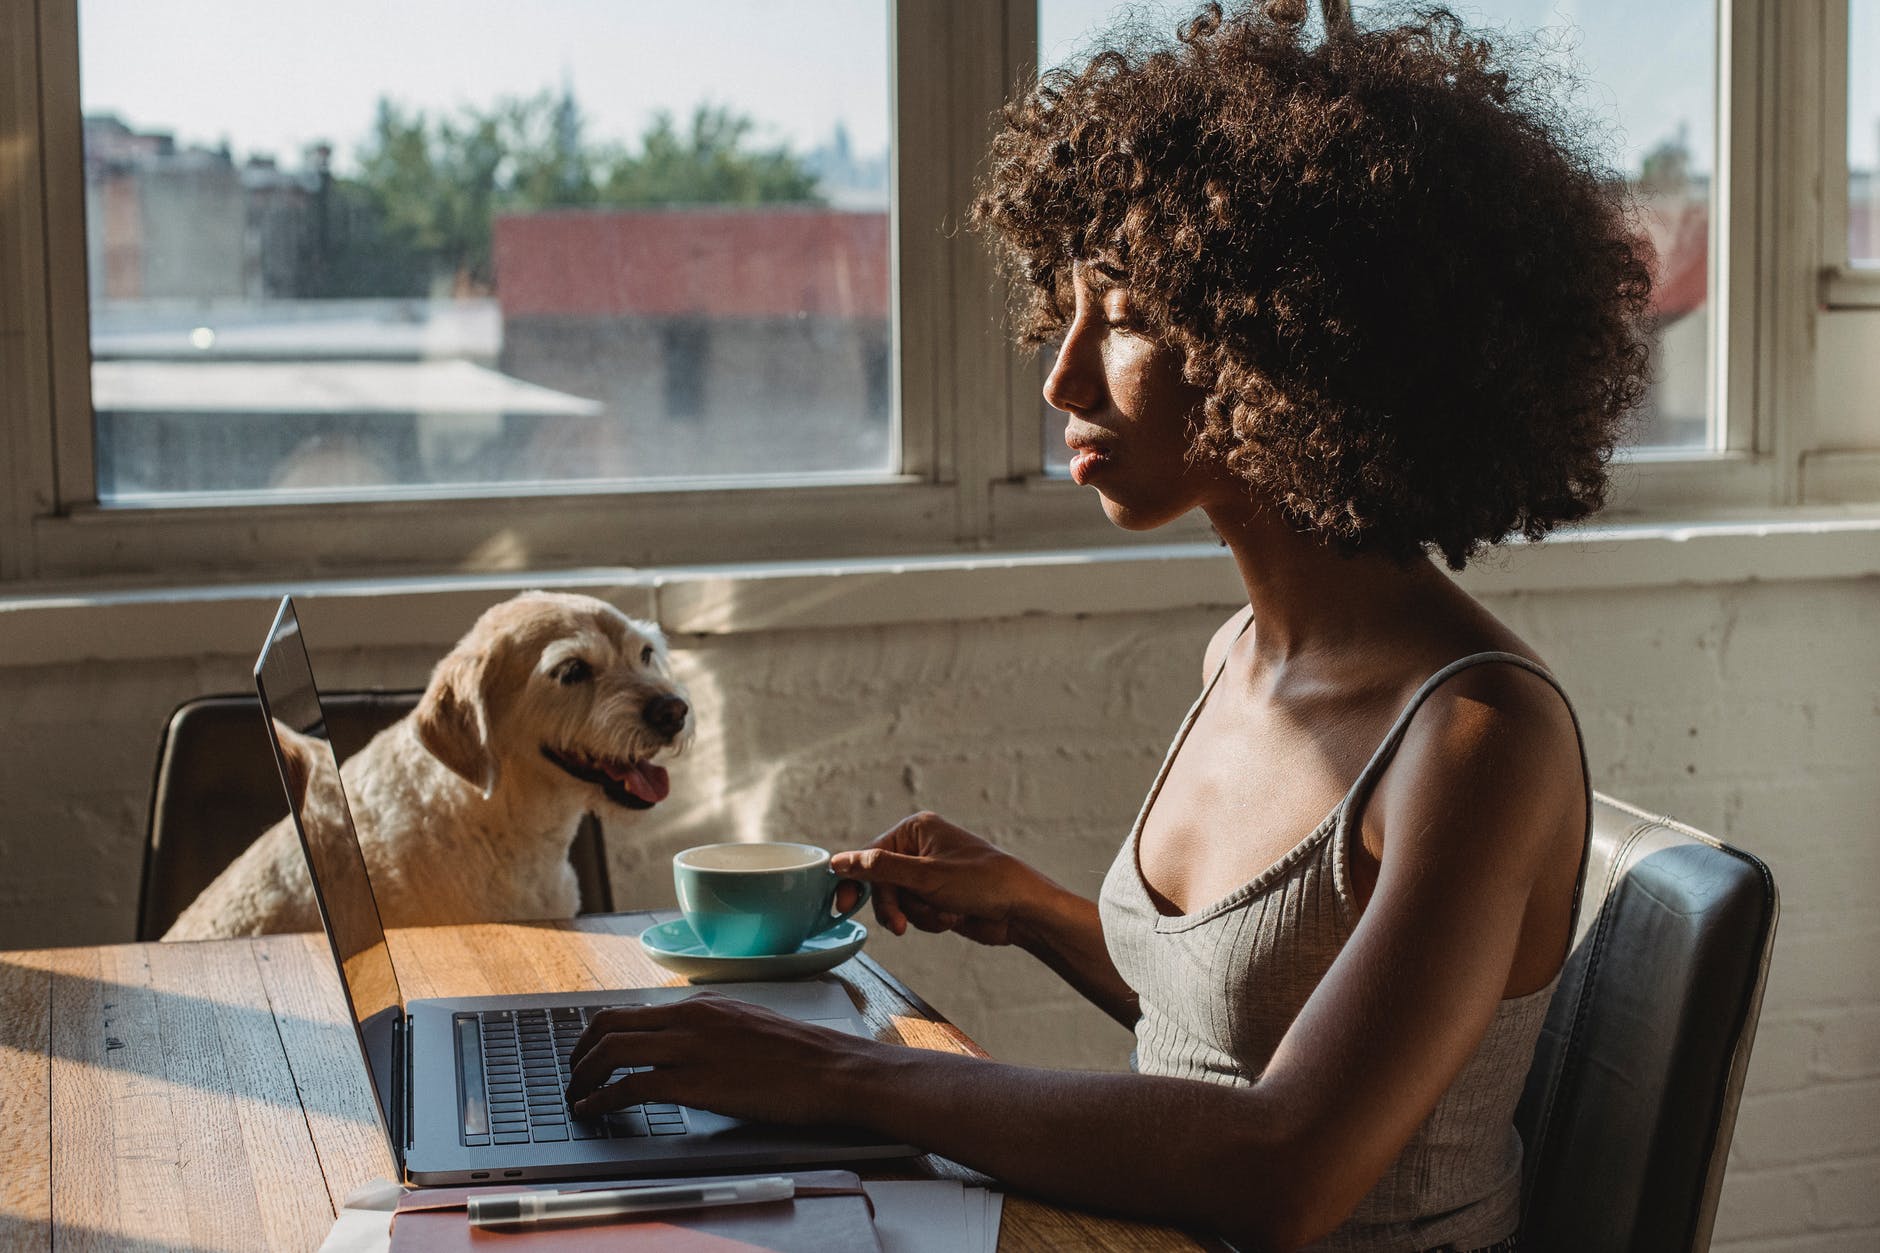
(711, 1052)
(930, 873)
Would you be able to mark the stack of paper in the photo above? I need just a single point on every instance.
(934, 1216)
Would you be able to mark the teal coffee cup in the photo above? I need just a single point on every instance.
(758, 900)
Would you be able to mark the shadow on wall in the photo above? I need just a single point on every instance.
(723, 790)
(1020, 730)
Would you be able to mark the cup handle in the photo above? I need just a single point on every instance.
(836, 920)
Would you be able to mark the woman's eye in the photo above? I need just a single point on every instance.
(1119, 317)
(572, 671)
(646, 655)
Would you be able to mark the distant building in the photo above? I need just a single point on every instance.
(189, 224)
(1677, 226)
(845, 179)
(168, 223)
(281, 221)
(1863, 215)
(721, 340)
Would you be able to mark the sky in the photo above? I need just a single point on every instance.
(1646, 64)
(275, 77)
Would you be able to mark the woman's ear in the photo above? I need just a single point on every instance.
(453, 718)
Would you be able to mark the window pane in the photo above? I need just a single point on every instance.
(1863, 130)
(468, 243)
(1649, 70)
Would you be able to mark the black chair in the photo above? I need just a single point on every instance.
(216, 789)
(1632, 1096)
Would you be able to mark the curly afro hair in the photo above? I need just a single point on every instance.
(1419, 310)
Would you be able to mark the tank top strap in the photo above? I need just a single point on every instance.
(1366, 781)
(1181, 737)
(1387, 748)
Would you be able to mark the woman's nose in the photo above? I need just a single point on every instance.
(1075, 384)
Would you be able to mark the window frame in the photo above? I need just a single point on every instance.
(964, 401)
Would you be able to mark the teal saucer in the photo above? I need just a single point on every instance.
(677, 947)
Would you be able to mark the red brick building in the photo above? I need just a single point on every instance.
(717, 339)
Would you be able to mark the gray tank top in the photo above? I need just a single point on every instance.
(1220, 987)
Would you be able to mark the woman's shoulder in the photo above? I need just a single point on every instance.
(1495, 734)
(1497, 692)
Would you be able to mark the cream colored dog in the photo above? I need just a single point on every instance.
(466, 807)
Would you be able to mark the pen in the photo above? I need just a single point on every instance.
(516, 1208)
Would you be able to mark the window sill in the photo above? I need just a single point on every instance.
(49, 627)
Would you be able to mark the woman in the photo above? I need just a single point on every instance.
(1357, 301)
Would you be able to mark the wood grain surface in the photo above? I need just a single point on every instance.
(210, 1097)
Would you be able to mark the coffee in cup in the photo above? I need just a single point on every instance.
(758, 900)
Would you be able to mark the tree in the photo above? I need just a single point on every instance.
(430, 186)
(711, 165)
(1666, 169)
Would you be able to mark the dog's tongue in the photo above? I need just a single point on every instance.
(644, 780)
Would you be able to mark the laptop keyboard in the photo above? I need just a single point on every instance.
(514, 1068)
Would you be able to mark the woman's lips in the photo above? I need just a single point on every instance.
(1089, 452)
(1085, 462)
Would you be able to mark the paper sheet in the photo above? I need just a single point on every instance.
(364, 1224)
(934, 1216)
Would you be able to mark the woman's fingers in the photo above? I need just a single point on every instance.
(618, 1094)
(658, 1036)
(616, 1039)
(621, 1018)
(904, 888)
(888, 911)
(708, 1050)
(879, 866)
(930, 875)
(597, 1066)
(927, 917)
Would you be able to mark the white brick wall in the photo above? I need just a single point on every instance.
(1751, 711)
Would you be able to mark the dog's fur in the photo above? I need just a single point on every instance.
(461, 807)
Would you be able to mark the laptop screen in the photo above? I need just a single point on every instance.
(310, 774)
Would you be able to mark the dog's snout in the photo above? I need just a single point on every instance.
(665, 715)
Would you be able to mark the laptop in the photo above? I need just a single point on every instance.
(470, 1089)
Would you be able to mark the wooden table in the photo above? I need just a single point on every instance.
(210, 1097)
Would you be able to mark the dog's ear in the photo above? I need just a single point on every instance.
(453, 718)
(297, 760)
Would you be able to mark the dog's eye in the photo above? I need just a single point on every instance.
(646, 655)
(571, 671)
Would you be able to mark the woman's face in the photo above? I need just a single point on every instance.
(1131, 412)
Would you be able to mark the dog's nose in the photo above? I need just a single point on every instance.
(665, 715)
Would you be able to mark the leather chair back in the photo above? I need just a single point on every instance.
(1632, 1096)
(216, 788)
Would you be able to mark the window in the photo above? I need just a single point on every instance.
(528, 246)
(1651, 70)
(279, 350)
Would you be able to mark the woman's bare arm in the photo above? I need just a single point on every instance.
(1064, 932)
